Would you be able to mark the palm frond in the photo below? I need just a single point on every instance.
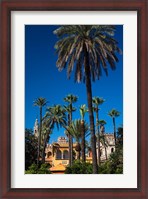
(99, 42)
(114, 113)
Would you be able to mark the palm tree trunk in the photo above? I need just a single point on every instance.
(91, 116)
(43, 152)
(78, 155)
(44, 147)
(69, 142)
(71, 139)
(39, 137)
(70, 149)
(114, 130)
(98, 135)
(83, 141)
(78, 149)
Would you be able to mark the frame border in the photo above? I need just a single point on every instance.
(6, 6)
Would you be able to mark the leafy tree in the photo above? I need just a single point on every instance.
(44, 169)
(113, 114)
(40, 102)
(70, 99)
(31, 146)
(88, 48)
(114, 165)
(120, 137)
(79, 167)
(119, 149)
(33, 169)
(97, 101)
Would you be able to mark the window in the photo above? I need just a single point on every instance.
(58, 155)
(64, 162)
(49, 154)
(112, 150)
(65, 154)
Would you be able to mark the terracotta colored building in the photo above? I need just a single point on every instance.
(57, 153)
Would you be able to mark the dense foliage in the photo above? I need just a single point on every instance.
(33, 169)
(79, 167)
(114, 165)
(31, 146)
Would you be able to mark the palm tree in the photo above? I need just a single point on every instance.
(46, 132)
(113, 114)
(88, 48)
(83, 111)
(55, 116)
(70, 99)
(102, 135)
(67, 109)
(40, 102)
(75, 129)
(97, 101)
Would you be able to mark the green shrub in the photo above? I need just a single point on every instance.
(79, 167)
(114, 165)
(33, 169)
(104, 168)
(44, 169)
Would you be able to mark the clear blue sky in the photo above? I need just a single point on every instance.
(42, 79)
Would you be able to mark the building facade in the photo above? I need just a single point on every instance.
(57, 153)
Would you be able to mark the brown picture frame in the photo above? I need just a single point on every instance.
(141, 6)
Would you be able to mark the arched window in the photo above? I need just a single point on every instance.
(49, 154)
(58, 155)
(65, 154)
(112, 150)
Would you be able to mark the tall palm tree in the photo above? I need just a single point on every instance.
(46, 132)
(40, 102)
(97, 101)
(113, 114)
(88, 48)
(83, 111)
(67, 109)
(55, 116)
(70, 99)
(76, 131)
